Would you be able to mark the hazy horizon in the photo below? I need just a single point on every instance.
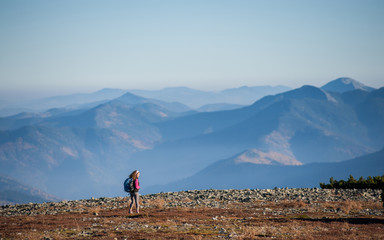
(51, 48)
(11, 98)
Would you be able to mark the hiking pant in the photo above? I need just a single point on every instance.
(134, 198)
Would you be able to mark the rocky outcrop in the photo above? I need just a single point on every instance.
(197, 198)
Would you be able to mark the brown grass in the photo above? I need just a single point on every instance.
(251, 220)
(158, 203)
(349, 207)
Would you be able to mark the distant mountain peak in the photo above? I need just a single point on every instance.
(111, 91)
(268, 158)
(131, 98)
(308, 91)
(345, 84)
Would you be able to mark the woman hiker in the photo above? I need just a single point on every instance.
(135, 191)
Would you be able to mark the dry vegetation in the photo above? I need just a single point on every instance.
(234, 220)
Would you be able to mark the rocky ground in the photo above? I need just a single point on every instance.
(206, 214)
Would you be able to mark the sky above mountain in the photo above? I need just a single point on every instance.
(61, 47)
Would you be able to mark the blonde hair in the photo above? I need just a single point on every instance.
(134, 174)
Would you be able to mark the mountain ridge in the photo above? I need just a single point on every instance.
(195, 98)
(293, 125)
(82, 153)
(250, 175)
(14, 192)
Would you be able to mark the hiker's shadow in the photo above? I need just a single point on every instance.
(136, 216)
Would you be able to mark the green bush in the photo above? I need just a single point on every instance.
(369, 183)
(352, 183)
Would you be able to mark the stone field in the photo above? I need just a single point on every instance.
(205, 214)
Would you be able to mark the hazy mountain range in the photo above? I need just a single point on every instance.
(194, 99)
(234, 174)
(88, 151)
(197, 99)
(72, 101)
(306, 124)
(12, 191)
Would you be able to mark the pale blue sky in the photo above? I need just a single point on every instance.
(59, 47)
